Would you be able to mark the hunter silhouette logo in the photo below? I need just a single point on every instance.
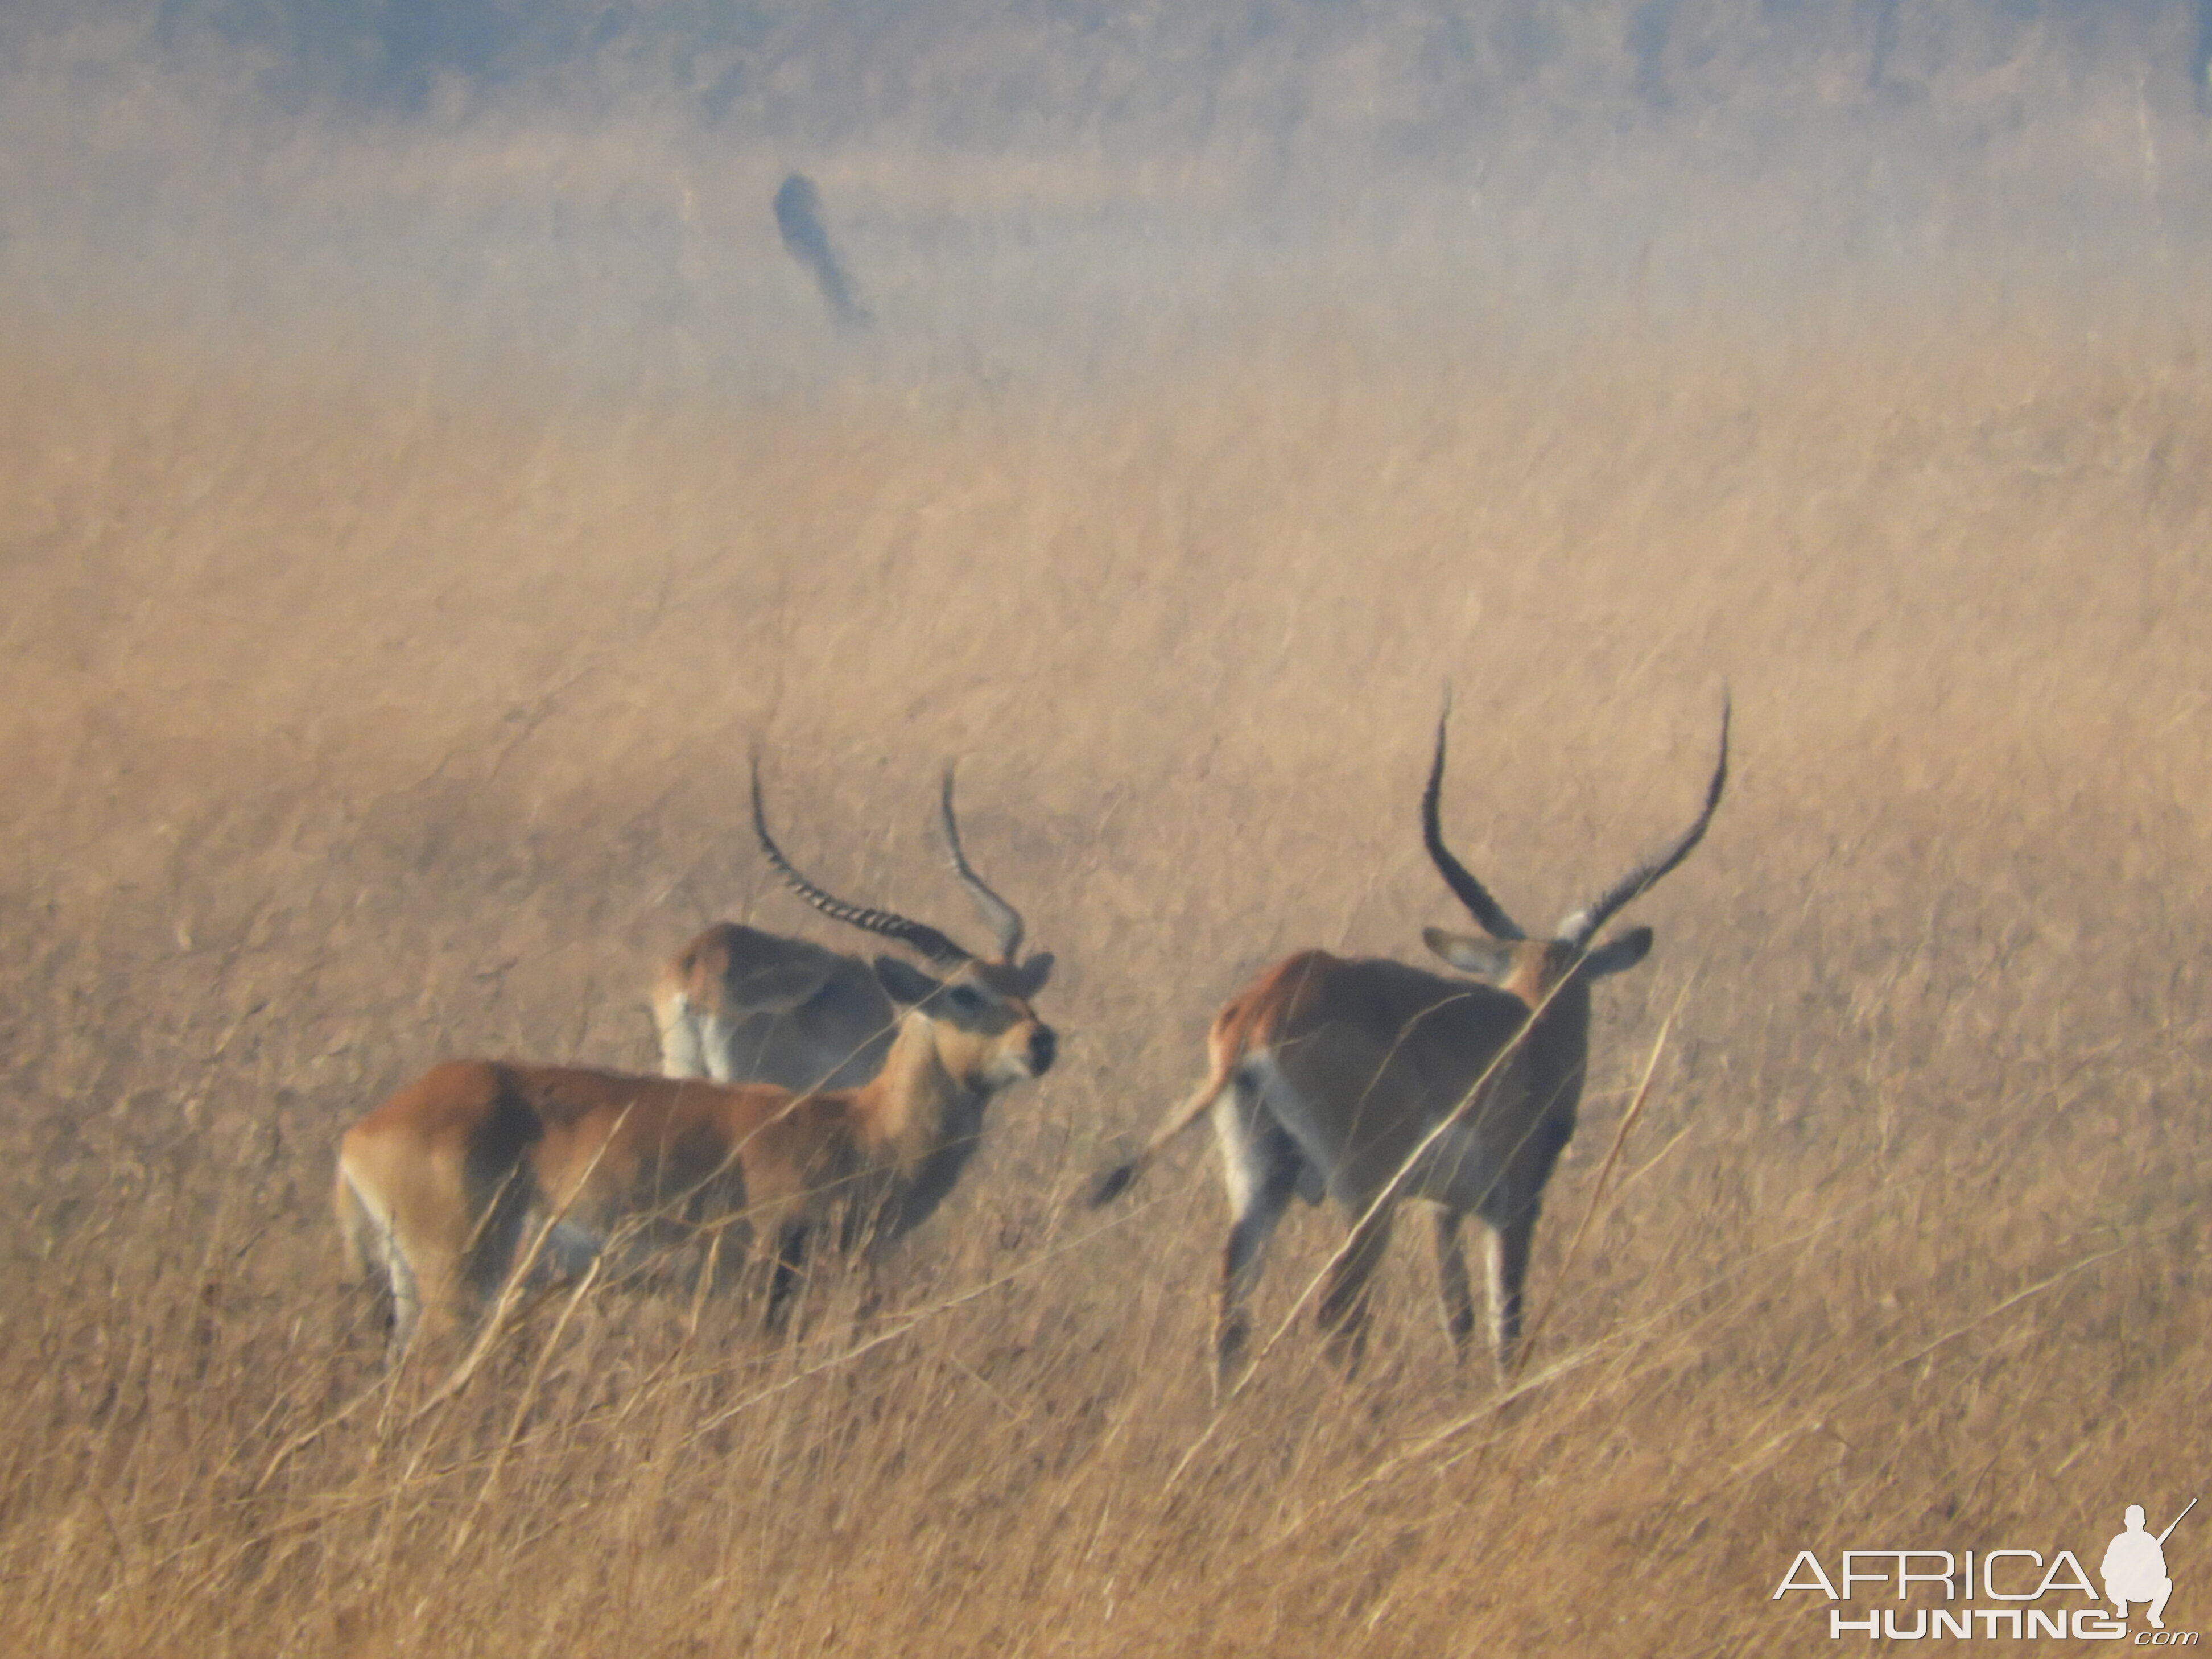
(2021, 1594)
(2135, 1566)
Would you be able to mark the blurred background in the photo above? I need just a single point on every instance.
(1041, 189)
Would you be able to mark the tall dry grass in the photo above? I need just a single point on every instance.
(351, 724)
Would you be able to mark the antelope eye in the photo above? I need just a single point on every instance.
(965, 999)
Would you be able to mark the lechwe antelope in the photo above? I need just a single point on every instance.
(479, 1168)
(1378, 1082)
(744, 1006)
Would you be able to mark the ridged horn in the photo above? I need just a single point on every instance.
(889, 924)
(1471, 892)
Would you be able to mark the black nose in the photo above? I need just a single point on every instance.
(1043, 1044)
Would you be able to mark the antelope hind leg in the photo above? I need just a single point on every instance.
(1261, 1166)
(1343, 1311)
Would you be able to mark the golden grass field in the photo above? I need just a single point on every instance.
(352, 721)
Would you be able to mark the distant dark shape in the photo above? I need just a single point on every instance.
(799, 218)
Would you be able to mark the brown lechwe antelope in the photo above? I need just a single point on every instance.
(1377, 1082)
(740, 1006)
(462, 1177)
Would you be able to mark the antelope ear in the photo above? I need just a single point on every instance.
(903, 983)
(1619, 954)
(1478, 954)
(1034, 972)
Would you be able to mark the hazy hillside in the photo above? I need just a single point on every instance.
(1027, 191)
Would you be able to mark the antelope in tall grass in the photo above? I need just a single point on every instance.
(480, 1170)
(740, 1006)
(1377, 1082)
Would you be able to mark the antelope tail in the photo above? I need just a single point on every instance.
(1237, 1030)
(1119, 1179)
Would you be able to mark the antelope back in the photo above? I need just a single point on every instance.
(742, 1006)
(1362, 1059)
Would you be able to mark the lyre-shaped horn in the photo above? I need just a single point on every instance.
(1005, 922)
(1579, 928)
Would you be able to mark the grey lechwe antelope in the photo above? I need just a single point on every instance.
(1377, 1082)
(740, 1006)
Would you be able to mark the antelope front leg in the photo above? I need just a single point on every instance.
(709, 1270)
(790, 1257)
(1509, 1272)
